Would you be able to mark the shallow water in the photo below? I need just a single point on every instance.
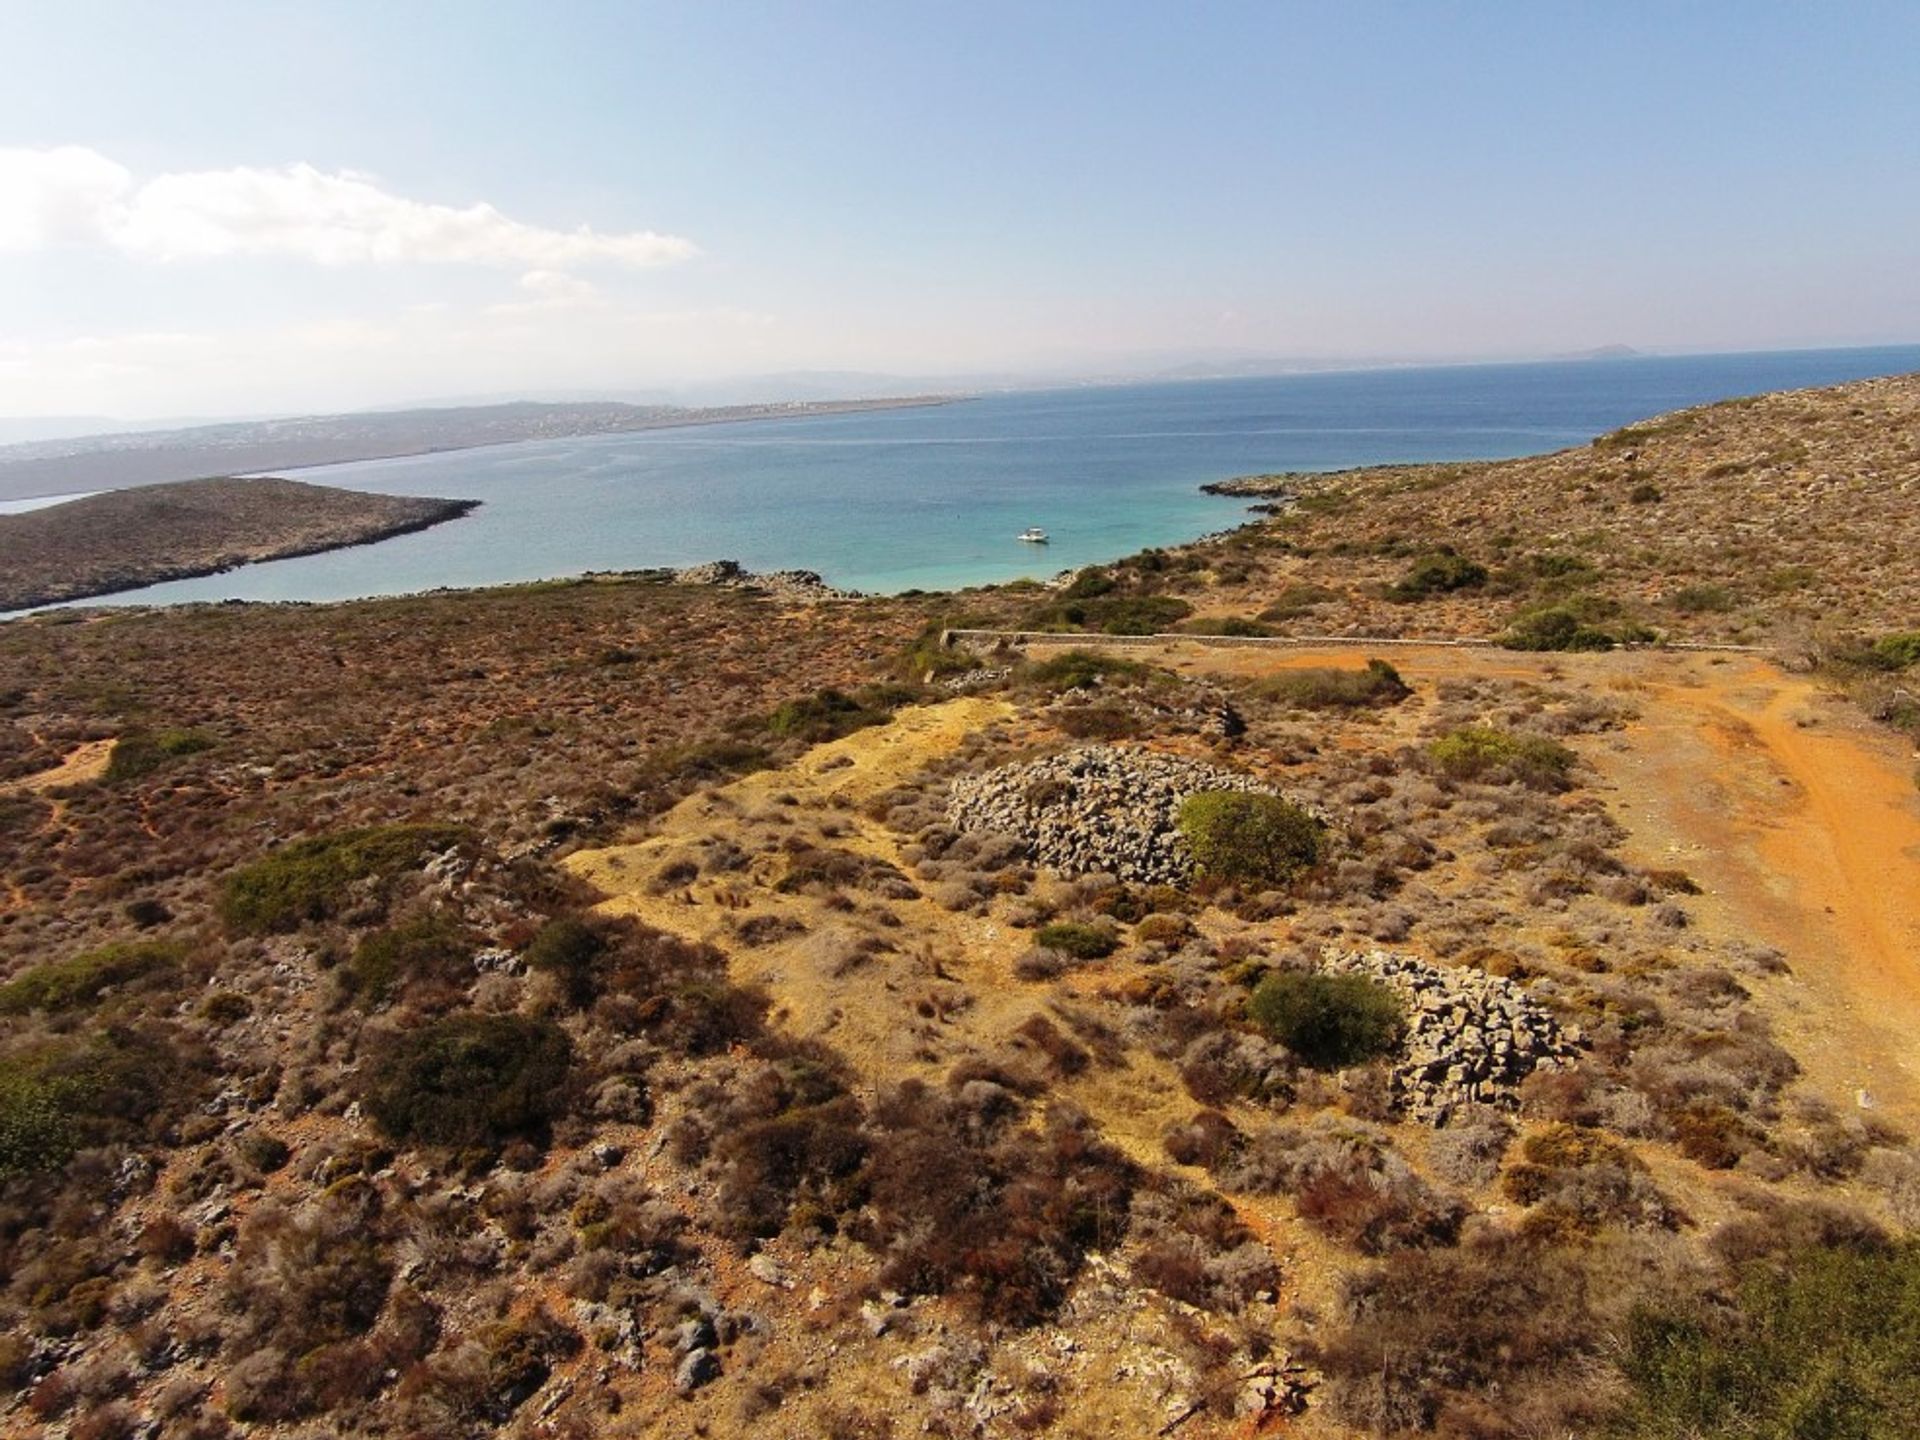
(933, 498)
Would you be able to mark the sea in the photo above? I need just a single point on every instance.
(934, 498)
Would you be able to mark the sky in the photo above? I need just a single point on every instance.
(212, 209)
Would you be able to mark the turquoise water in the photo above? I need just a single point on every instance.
(933, 498)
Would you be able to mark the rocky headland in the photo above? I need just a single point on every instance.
(130, 538)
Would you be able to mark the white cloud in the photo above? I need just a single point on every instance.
(52, 197)
(75, 195)
(557, 288)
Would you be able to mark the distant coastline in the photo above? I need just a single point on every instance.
(119, 461)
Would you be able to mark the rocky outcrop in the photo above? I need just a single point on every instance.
(792, 585)
(1098, 808)
(1471, 1037)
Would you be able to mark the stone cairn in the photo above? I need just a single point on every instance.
(1099, 808)
(1471, 1037)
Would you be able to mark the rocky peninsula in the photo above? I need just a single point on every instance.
(130, 538)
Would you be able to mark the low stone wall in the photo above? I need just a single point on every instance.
(982, 642)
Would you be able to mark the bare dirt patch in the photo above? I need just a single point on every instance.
(86, 763)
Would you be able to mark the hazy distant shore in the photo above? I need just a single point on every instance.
(121, 461)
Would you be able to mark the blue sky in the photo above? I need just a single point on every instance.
(924, 190)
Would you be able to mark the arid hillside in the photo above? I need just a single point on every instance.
(129, 538)
(1764, 519)
(629, 1008)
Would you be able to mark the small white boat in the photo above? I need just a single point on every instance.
(1033, 535)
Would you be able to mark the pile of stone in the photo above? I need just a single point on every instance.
(1190, 708)
(1100, 809)
(1471, 1037)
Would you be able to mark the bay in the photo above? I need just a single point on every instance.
(933, 498)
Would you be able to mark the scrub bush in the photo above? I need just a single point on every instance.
(1480, 753)
(70, 984)
(1329, 1021)
(469, 1080)
(314, 879)
(1333, 688)
(1256, 839)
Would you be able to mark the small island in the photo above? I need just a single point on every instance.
(130, 538)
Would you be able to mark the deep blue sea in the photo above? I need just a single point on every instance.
(933, 498)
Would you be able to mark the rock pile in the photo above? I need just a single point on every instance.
(1098, 808)
(1471, 1037)
(1190, 708)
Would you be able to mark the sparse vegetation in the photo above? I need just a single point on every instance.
(425, 1139)
(141, 753)
(1439, 573)
(1324, 688)
(316, 878)
(70, 984)
(1480, 753)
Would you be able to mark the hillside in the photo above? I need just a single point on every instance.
(1760, 519)
(620, 1007)
(128, 538)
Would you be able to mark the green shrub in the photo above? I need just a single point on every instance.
(431, 944)
(1554, 627)
(1897, 652)
(1082, 942)
(1083, 670)
(1645, 493)
(926, 658)
(567, 947)
(469, 1081)
(1225, 625)
(707, 761)
(314, 879)
(142, 753)
(1332, 688)
(64, 1094)
(1822, 1346)
(1438, 573)
(1111, 615)
(825, 715)
(1298, 600)
(1481, 753)
(1702, 599)
(69, 984)
(1329, 1021)
(1253, 839)
(1090, 584)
